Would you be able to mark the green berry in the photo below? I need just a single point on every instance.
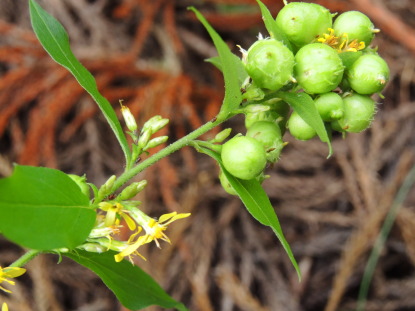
(269, 134)
(303, 22)
(329, 106)
(243, 157)
(359, 111)
(318, 68)
(226, 184)
(356, 25)
(368, 74)
(299, 128)
(270, 64)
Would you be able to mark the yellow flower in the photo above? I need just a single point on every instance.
(155, 229)
(10, 272)
(329, 38)
(4, 307)
(131, 249)
(112, 211)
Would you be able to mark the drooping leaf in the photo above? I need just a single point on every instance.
(55, 41)
(303, 104)
(272, 27)
(230, 70)
(42, 208)
(257, 203)
(134, 288)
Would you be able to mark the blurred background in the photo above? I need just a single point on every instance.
(151, 55)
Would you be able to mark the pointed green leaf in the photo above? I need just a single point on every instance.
(230, 70)
(303, 104)
(272, 27)
(55, 41)
(242, 74)
(42, 208)
(257, 203)
(134, 288)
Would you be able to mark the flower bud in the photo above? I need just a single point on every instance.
(144, 138)
(132, 190)
(222, 135)
(155, 124)
(128, 118)
(156, 142)
(107, 187)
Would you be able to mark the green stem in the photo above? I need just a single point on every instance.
(24, 259)
(182, 142)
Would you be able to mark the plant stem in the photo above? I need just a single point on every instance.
(182, 142)
(25, 258)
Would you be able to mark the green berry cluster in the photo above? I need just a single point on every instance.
(323, 55)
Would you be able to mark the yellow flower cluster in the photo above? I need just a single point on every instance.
(341, 44)
(100, 238)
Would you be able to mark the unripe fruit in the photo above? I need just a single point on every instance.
(269, 134)
(318, 68)
(243, 157)
(359, 111)
(329, 106)
(299, 128)
(270, 64)
(303, 22)
(356, 25)
(226, 184)
(368, 74)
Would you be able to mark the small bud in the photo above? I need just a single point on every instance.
(128, 118)
(132, 190)
(156, 142)
(155, 124)
(93, 248)
(144, 139)
(106, 188)
(221, 136)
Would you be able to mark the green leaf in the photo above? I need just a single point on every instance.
(55, 41)
(242, 74)
(43, 208)
(230, 69)
(257, 203)
(272, 27)
(134, 288)
(303, 104)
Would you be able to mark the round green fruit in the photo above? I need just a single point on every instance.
(329, 106)
(270, 64)
(244, 157)
(368, 74)
(226, 184)
(318, 68)
(356, 25)
(303, 22)
(299, 128)
(359, 111)
(269, 134)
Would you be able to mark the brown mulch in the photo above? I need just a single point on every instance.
(150, 54)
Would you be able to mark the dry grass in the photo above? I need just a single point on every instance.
(150, 54)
